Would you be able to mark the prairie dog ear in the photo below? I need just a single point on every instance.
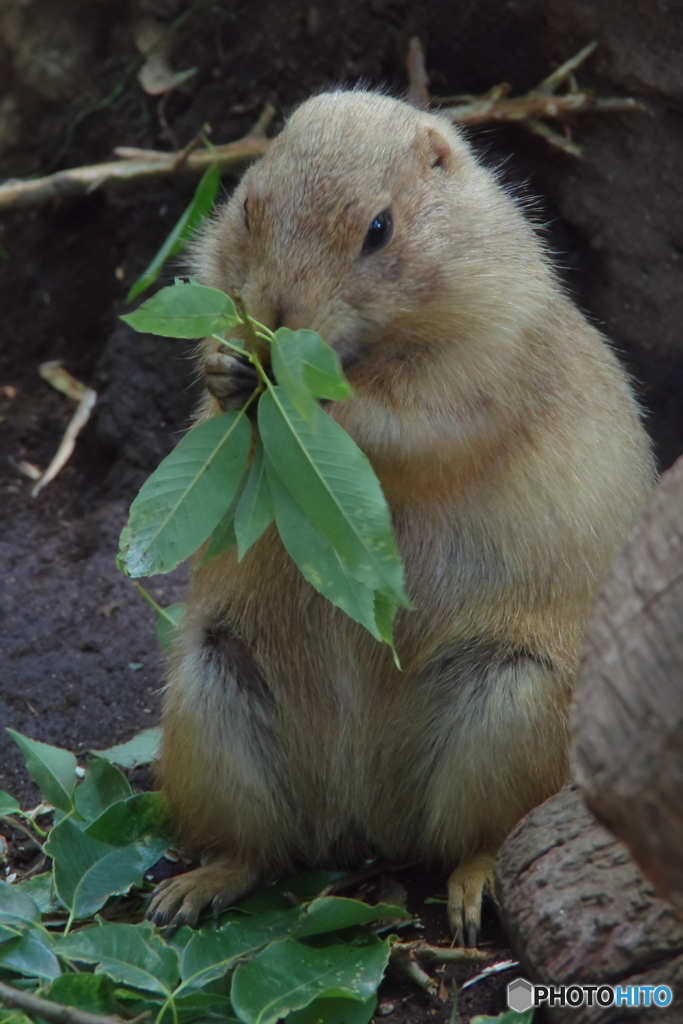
(436, 149)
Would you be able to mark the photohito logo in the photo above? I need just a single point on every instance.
(522, 995)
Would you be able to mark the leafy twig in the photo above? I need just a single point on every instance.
(53, 1012)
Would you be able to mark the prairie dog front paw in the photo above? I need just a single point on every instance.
(180, 900)
(230, 379)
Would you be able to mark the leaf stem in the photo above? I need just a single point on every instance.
(170, 1001)
(251, 356)
(150, 600)
(22, 828)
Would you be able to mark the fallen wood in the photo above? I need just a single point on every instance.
(628, 711)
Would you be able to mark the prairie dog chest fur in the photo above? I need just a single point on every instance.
(509, 447)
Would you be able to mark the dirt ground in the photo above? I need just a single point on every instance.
(79, 662)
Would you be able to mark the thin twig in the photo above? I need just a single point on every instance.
(139, 164)
(68, 442)
(22, 828)
(53, 1012)
(418, 79)
(440, 954)
(494, 105)
(541, 102)
(80, 179)
(565, 71)
(184, 154)
(404, 960)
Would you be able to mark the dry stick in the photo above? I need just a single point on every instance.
(80, 179)
(494, 105)
(418, 79)
(441, 954)
(405, 961)
(406, 956)
(540, 102)
(68, 443)
(53, 1012)
(151, 164)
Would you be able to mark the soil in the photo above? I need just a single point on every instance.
(80, 663)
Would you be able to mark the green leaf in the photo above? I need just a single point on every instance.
(334, 913)
(288, 976)
(200, 206)
(317, 560)
(223, 537)
(186, 497)
(52, 769)
(297, 889)
(333, 483)
(88, 872)
(13, 1016)
(87, 992)
(308, 885)
(130, 820)
(194, 1008)
(254, 512)
(204, 1008)
(185, 311)
(306, 366)
(16, 907)
(8, 805)
(142, 749)
(209, 954)
(128, 954)
(385, 612)
(336, 1010)
(40, 889)
(30, 956)
(168, 620)
(102, 786)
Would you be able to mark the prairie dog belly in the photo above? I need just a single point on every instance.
(311, 743)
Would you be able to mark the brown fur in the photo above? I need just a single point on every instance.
(510, 450)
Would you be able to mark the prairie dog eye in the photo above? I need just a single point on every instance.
(379, 233)
(246, 214)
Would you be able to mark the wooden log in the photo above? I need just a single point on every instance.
(628, 708)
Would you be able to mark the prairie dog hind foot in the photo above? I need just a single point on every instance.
(219, 884)
(466, 887)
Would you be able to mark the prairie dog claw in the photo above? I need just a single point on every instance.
(230, 379)
(180, 900)
(466, 886)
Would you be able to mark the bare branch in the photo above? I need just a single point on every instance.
(543, 102)
(418, 79)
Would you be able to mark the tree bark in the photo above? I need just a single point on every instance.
(628, 710)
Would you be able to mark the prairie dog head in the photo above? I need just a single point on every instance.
(369, 221)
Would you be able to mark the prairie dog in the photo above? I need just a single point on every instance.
(510, 450)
